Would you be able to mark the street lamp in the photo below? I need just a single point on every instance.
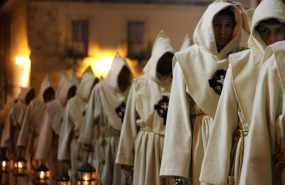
(42, 175)
(4, 164)
(63, 179)
(20, 167)
(86, 174)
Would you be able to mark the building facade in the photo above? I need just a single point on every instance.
(50, 37)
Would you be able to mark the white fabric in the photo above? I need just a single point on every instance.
(193, 102)
(29, 133)
(142, 134)
(161, 45)
(101, 112)
(73, 118)
(232, 119)
(186, 42)
(50, 129)
(264, 153)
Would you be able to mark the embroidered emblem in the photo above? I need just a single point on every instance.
(120, 110)
(161, 108)
(217, 81)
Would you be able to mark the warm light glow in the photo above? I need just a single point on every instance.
(4, 165)
(20, 165)
(42, 175)
(24, 64)
(102, 66)
(86, 178)
(100, 60)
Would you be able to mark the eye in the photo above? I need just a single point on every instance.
(217, 24)
(263, 31)
(280, 30)
(229, 25)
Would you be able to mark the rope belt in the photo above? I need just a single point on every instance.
(146, 129)
(238, 149)
(110, 133)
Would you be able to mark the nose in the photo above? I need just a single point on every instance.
(271, 38)
(223, 30)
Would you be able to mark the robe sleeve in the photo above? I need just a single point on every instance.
(92, 114)
(176, 156)
(24, 134)
(125, 154)
(7, 134)
(216, 164)
(266, 130)
(45, 138)
(65, 136)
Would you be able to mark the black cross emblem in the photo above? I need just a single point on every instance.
(161, 107)
(217, 81)
(120, 110)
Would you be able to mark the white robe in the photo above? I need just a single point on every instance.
(11, 131)
(29, 133)
(50, 129)
(198, 76)
(68, 145)
(224, 156)
(105, 100)
(264, 159)
(142, 134)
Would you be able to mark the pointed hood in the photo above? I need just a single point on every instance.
(46, 83)
(65, 85)
(75, 79)
(267, 9)
(86, 84)
(162, 45)
(117, 65)
(186, 42)
(23, 94)
(204, 35)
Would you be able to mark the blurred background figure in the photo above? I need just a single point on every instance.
(106, 109)
(29, 134)
(69, 150)
(12, 128)
(47, 146)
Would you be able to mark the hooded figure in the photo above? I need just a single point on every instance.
(106, 109)
(13, 125)
(68, 146)
(29, 133)
(198, 74)
(224, 157)
(50, 128)
(264, 159)
(142, 134)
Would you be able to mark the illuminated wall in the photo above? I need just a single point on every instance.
(19, 64)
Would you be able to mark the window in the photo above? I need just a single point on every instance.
(136, 42)
(78, 44)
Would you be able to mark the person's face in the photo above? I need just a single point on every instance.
(124, 79)
(49, 95)
(164, 66)
(223, 29)
(271, 33)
